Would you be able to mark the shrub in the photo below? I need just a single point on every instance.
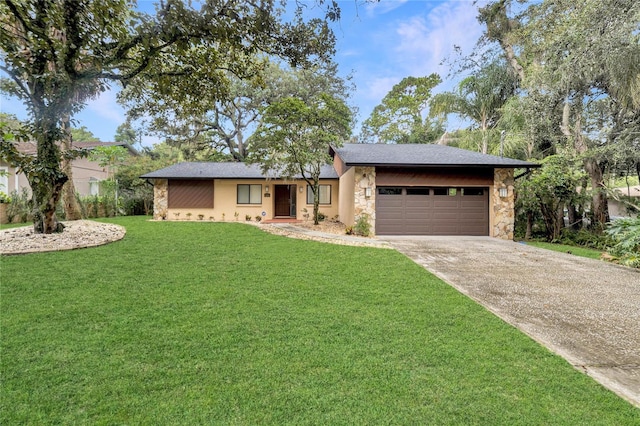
(626, 234)
(134, 206)
(362, 226)
(584, 238)
(19, 208)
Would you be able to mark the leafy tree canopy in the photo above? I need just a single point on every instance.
(401, 117)
(83, 135)
(295, 135)
(208, 126)
(58, 54)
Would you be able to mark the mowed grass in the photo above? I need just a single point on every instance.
(220, 323)
(563, 248)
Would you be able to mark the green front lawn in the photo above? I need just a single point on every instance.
(220, 323)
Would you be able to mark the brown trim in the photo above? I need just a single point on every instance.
(434, 177)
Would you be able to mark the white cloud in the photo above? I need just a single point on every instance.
(425, 41)
(149, 141)
(378, 87)
(382, 7)
(105, 106)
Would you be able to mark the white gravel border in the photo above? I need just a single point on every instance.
(76, 234)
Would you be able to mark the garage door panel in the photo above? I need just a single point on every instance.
(418, 202)
(391, 228)
(445, 202)
(413, 212)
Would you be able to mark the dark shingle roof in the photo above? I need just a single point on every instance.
(210, 170)
(420, 155)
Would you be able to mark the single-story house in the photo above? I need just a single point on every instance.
(409, 189)
(87, 174)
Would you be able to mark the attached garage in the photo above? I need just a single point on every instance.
(432, 211)
(414, 201)
(427, 189)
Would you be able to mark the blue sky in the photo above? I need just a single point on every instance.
(378, 43)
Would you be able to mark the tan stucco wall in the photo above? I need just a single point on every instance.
(14, 182)
(502, 209)
(347, 196)
(82, 169)
(225, 204)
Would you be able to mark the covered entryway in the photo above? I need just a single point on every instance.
(432, 210)
(285, 200)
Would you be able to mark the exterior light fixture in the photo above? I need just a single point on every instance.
(266, 188)
(367, 192)
(503, 192)
(301, 189)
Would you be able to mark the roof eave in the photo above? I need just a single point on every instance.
(422, 165)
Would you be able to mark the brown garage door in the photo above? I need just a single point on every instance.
(432, 211)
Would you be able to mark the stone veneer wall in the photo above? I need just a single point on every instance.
(160, 199)
(365, 177)
(503, 207)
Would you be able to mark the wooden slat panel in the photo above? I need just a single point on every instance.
(190, 194)
(422, 177)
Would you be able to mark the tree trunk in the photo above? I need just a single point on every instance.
(485, 141)
(529, 231)
(71, 205)
(575, 218)
(70, 201)
(47, 179)
(599, 204)
(553, 220)
(316, 202)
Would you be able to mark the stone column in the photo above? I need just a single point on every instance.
(365, 178)
(160, 199)
(503, 207)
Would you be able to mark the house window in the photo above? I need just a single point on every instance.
(472, 191)
(190, 194)
(94, 186)
(387, 190)
(445, 191)
(249, 194)
(417, 191)
(325, 194)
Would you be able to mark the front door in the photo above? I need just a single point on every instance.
(285, 200)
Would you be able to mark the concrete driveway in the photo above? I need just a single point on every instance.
(587, 311)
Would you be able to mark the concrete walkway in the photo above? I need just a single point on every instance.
(587, 311)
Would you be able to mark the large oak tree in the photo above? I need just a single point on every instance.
(58, 54)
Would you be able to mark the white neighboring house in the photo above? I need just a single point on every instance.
(618, 209)
(87, 174)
